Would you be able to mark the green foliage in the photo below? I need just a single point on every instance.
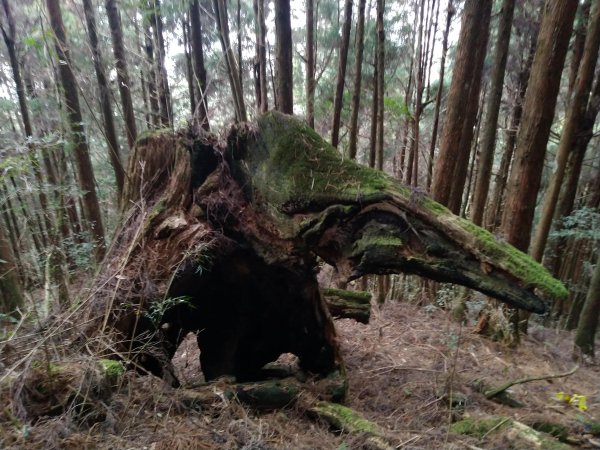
(583, 223)
(158, 308)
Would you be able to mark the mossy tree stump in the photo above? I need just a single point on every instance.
(223, 240)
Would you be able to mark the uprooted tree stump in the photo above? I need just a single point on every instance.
(223, 239)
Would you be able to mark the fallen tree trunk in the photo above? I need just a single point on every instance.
(222, 239)
(348, 304)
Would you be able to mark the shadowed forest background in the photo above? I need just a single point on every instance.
(488, 107)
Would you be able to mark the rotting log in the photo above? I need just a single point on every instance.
(348, 304)
(223, 239)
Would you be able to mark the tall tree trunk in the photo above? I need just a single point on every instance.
(341, 74)
(572, 127)
(538, 112)
(588, 321)
(152, 88)
(579, 32)
(189, 68)
(284, 75)
(116, 32)
(78, 136)
(488, 144)
(310, 62)
(438, 97)
(461, 106)
(164, 93)
(220, 7)
(494, 211)
(380, 82)
(374, 110)
(261, 42)
(360, 38)
(110, 133)
(199, 69)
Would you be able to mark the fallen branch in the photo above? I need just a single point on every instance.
(348, 304)
(497, 391)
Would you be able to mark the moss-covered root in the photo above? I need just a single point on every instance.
(513, 430)
(346, 419)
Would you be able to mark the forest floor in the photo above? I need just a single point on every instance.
(402, 367)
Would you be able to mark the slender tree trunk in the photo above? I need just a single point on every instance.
(78, 136)
(164, 93)
(374, 109)
(572, 127)
(380, 82)
(579, 32)
(262, 55)
(284, 80)
(488, 144)
(538, 112)
(588, 321)
(199, 70)
(360, 37)
(220, 7)
(461, 106)
(116, 32)
(438, 97)
(110, 133)
(341, 74)
(310, 63)
(189, 69)
(494, 211)
(152, 86)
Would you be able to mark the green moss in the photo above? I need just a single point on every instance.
(560, 432)
(507, 257)
(111, 368)
(145, 136)
(354, 296)
(479, 427)
(343, 418)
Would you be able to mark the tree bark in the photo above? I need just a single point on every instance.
(438, 97)
(588, 322)
(571, 129)
(461, 106)
(360, 37)
(341, 74)
(284, 75)
(116, 32)
(310, 63)
(220, 7)
(78, 136)
(538, 112)
(488, 143)
(199, 69)
(164, 92)
(380, 82)
(152, 89)
(261, 33)
(110, 133)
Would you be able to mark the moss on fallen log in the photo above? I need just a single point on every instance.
(348, 304)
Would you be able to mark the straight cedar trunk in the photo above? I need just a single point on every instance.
(261, 55)
(461, 107)
(164, 92)
(284, 76)
(199, 69)
(488, 142)
(360, 45)
(110, 133)
(78, 136)
(220, 7)
(571, 129)
(380, 81)
(494, 211)
(152, 89)
(341, 74)
(189, 68)
(538, 112)
(116, 32)
(11, 292)
(310, 63)
(374, 107)
(588, 320)
(438, 96)
(579, 33)
(239, 43)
